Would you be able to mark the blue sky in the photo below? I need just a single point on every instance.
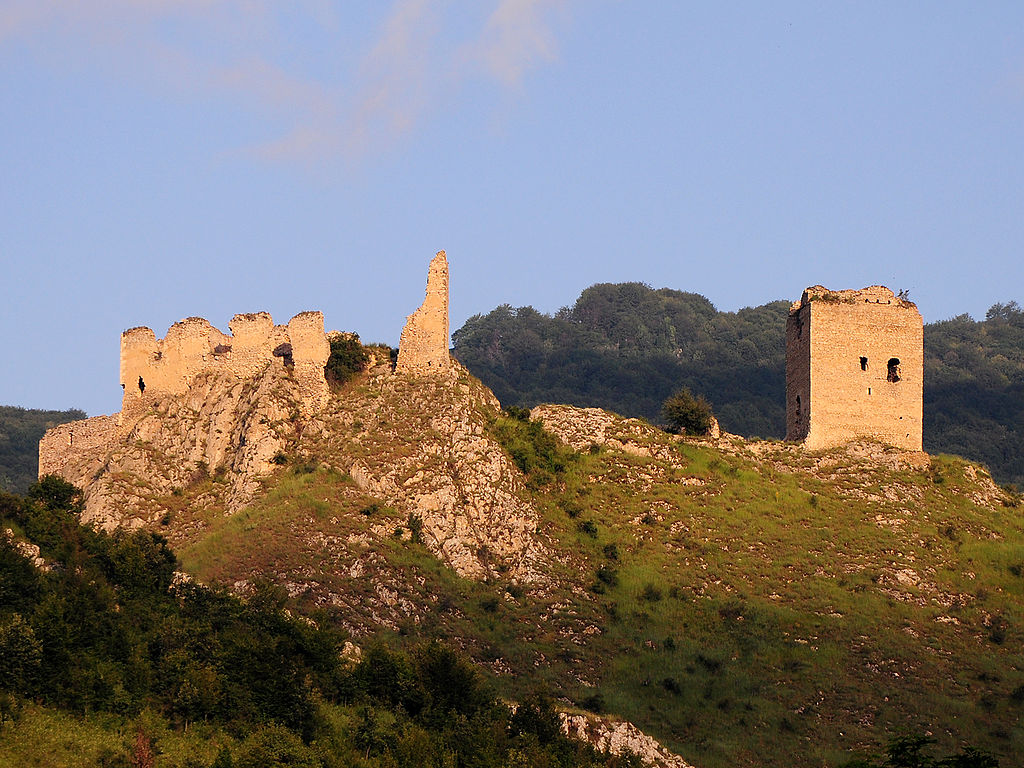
(168, 158)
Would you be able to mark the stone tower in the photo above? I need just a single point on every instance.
(854, 368)
(423, 347)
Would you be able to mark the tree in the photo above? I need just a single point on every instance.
(686, 413)
(348, 357)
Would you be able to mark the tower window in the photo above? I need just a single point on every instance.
(894, 369)
(863, 363)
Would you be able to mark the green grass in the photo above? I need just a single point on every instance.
(752, 612)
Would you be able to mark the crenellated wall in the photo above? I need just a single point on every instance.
(854, 368)
(151, 366)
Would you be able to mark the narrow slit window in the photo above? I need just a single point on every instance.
(142, 385)
(863, 363)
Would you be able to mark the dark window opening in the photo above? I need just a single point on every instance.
(798, 410)
(142, 385)
(284, 351)
(894, 369)
(869, 390)
(222, 349)
(863, 363)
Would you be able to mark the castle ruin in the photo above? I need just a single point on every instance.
(423, 348)
(854, 368)
(151, 366)
(198, 361)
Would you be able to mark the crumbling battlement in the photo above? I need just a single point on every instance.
(151, 366)
(854, 368)
(423, 348)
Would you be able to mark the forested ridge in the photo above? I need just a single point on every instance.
(20, 430)
(626, 347)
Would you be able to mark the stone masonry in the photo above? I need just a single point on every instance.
(200, 397)
(854, 368)
(423, 347)
(151, 366)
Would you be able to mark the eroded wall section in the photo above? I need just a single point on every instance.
(423, 348)
(151, 366)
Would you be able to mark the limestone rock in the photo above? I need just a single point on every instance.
(422, 446)
(618, 737)
(581, 428)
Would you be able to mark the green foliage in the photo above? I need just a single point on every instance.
(686, 413)
(107, 630)
(20, 432)
(974, 389)
(538, 454)
(116, 636)
(914, 752)
(348, 357)
(627, 347)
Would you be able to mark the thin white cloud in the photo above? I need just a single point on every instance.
(517, 38)
(350, 106)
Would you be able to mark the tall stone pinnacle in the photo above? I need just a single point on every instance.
(423, 348)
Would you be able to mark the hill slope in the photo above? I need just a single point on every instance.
(627, 347)
(747, 603)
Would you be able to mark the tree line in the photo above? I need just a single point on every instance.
(627, 347)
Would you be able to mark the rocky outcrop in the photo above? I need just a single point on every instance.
(619, 737)
(581, 428)
(222, 428)
(423, 348)
(422, 446)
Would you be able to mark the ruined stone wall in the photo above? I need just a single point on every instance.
(77, 450)
(152, 367)
(423, 347)
(856, 361)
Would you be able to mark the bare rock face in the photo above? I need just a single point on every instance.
(423, 348)
(221, 428)
(197, 404)
(581, 428)
(421, 445)
(618, 737)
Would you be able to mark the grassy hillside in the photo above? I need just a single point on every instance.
(20, 430)
(108, 659)
(746, 603)
(627, 347)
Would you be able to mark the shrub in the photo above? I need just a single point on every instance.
(686, 413)
(348, 357)
(535, 451)
(650, 593)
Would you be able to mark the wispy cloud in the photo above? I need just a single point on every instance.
(333, 103)
(517, 38)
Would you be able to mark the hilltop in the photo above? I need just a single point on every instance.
(626, 347)
(746, 602)
(743, 601)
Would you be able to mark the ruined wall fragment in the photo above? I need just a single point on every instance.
(423, 348)
(151, 367)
